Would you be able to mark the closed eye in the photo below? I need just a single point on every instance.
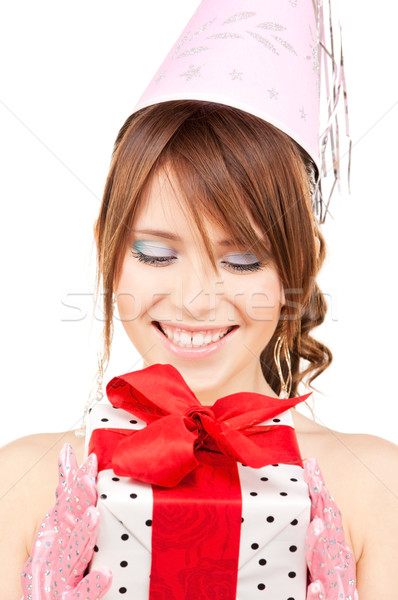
(159, 261)
(242, 262)
(153, 260)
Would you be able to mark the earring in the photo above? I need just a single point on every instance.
(96, 396)
(286, 386)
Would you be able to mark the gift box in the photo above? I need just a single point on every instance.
(226, 530)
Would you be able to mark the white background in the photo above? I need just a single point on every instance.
(71, 73)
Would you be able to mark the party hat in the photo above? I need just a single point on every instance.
(263, 57)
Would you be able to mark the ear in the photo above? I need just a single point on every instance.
(283, 299)
(95, 232)
(317, 245)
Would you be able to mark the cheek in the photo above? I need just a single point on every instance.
(134, 291)
(261, 301)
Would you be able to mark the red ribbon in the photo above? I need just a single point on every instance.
(164, 452)
(196, 524)
(196, 533)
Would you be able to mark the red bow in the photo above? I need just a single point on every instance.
(163, 453)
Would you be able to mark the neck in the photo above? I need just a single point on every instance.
(248, 380)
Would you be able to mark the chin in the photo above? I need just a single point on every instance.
(205, 379)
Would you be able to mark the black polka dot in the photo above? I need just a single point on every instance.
(292, 574)
(283, 493)
(104, 420)
(270, 519)
(290, 598)
(96, 548)
(89, 410)
(103, 496)
(122, 590)
(133, 496)
(115, 479)
(242, 519)
(293, 548)
(148, 522)
(133, 421)
(262, 562)
(124, 537)
(293, 479)
(294, 522)
(253, 493)
(124, 563)
(276, 465)
(264, 478)
(254, 546)
(243, 465)
(115, 407)
(261, 586)
(276, 420)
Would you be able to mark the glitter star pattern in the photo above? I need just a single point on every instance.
(192, 72)
(192, 51)
(224, 36)
(236, 75)
(160, 76)
(239, 17)
(263, 41)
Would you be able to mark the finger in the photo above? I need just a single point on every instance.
(77, 496)
(89, 468)
(67, 468)
(315, 591)
(81, 545)
(93, 587)
(315, 531)
(322, 503)
(310, 464)
(316, 549)
(313, 476)
(83, 487)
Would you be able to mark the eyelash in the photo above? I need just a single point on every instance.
(158, 260)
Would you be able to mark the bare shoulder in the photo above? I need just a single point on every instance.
(351, 456)
(357, 467)
(361, 472)
(34, 458)
(28, 479)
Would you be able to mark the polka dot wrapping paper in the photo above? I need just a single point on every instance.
(274, 511)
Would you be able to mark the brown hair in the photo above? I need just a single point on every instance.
(230, 166)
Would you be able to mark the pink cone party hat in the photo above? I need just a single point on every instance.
(264, 57)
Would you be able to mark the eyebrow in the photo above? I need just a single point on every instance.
(176, 238)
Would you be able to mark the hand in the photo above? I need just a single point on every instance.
(64, 545)
(330, 560)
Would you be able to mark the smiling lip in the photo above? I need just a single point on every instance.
(194, 353)
(192, 327)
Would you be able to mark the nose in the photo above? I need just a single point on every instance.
(197, 292)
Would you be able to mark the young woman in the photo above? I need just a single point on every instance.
(206, 222)
(209, 235)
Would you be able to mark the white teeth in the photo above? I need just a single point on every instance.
(197, 339)
(185, 338)
(194, 340)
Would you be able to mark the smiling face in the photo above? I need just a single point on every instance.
(238, 178)
(210, 324)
